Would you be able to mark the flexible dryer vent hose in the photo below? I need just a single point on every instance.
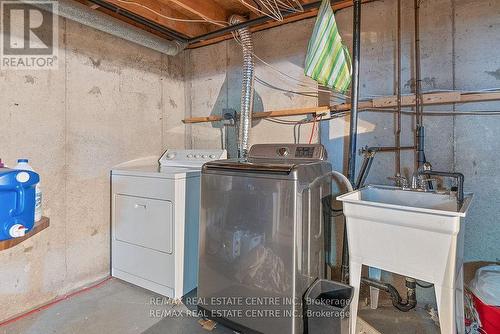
(247, 89)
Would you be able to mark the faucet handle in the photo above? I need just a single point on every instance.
(422, 183)
(400, 181)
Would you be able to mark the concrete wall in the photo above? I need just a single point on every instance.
(213, 83)
(460, 41)
(109, 101)
(460, 45)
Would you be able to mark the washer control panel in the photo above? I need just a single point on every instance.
(288, 151)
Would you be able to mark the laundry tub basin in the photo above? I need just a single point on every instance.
(412, 233)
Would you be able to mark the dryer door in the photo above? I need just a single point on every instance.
(144, 222)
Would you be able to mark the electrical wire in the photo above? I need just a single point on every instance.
(274, 8)
(268, 85)
(275, 15)
(204, 18)
(289, 77)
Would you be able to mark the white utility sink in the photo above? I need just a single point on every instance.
(411, 233)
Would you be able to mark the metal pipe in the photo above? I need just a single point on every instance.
(397, 301)
(369, 154)
(80, 13)
(365, 168)
(458, 176)
(353, 131)
(398, 94)
(356, 48)
(386, 148)
(419, 129)
(247, 89)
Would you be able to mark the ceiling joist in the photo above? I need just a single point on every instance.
(204, 22)
(203, 9)
(171, 18)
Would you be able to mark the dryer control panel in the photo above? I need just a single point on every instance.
(288, 151)
(188, 158)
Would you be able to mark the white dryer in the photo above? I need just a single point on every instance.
(155, 220)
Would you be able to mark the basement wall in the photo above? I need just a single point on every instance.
(213, 85)
(460, 42)
(108, 102)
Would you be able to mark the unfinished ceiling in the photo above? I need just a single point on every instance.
(203, 22)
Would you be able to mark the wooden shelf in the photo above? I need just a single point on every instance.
(39, 226)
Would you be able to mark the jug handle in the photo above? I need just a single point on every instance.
(20, 196)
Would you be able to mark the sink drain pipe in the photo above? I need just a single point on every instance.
(397, 301)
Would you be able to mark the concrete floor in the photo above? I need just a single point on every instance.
(387, 320)
(116, 307)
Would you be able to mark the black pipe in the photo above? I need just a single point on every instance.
(397, 301)
(141, 20)
(369, 154)
(420, 146)
(353, 131)
(460, 182)
(365, 168)
(356, 48)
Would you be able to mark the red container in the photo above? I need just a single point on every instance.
(489, 316)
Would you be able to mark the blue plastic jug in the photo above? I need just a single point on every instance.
(17, 202)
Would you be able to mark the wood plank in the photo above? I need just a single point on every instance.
(202, 119)
(202, 9)
(189, 29)
(378, 103)
(319, 111)
(428, 99)
(480, 97)
(39, 226)
(251, 8)
(433, 98)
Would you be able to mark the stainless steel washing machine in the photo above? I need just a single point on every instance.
(262, 240)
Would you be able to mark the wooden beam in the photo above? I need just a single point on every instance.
(189, 29)
(203, 9)
(319, 111)
(428, 99)
(378, 103)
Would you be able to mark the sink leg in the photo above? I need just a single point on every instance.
(460, 302)
(374, 292)
(445, 298)
(355, 282)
